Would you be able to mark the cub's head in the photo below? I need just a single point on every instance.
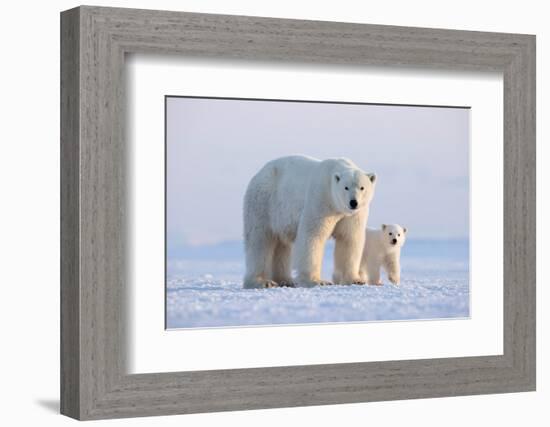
(393, 235)
(352, 190)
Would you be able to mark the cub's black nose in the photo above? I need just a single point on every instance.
(353, 204)
(394, 241)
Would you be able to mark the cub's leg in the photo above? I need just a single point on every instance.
(373, 272)
(393, 268)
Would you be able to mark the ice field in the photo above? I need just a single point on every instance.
(204, 289)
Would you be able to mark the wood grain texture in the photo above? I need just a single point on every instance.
(94, 381)
(70, 220)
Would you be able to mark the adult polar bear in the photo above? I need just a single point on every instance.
(304, 201)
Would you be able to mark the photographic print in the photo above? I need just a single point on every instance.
(288, 212)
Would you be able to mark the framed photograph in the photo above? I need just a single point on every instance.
(262, 213)
(244, 235)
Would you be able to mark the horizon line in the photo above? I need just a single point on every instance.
(433, 239)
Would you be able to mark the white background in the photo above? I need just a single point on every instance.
(154, 350)
(29, 176)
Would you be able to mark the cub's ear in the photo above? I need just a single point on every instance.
(404, 229)
(337, 177)
(384, 226)
(372, 177)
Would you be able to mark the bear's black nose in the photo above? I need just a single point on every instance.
(394, 241)
(353, 204)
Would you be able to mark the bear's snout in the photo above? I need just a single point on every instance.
(394, 241)
(353, 204)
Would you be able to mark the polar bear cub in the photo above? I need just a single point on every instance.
(382, 250)
(295, 204)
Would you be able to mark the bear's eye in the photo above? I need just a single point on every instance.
(398, 235)
(362, 188)
(391, 234)
(346, 188)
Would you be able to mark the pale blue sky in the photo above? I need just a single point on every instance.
(214, 147)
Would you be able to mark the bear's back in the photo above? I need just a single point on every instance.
(290, 179)
(373, 241)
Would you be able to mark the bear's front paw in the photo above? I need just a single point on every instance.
(287, 284)
(270, 284)
(354, 281)
(375, 283)
(394, 279)
(311, 283)
(324, 283)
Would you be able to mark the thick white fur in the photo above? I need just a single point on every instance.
(382, 250)
(295, 204)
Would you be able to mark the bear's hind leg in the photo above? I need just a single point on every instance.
(259, 256)
(281, 265)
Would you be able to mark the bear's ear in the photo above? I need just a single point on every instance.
(372, 177)
(384, 226)
(404, 229)
(337, 177)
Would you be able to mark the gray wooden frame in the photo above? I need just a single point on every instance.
(94, 382)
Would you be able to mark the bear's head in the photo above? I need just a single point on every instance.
(352, 190)
(393, 235)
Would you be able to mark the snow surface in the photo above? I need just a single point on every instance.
(204, 289)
